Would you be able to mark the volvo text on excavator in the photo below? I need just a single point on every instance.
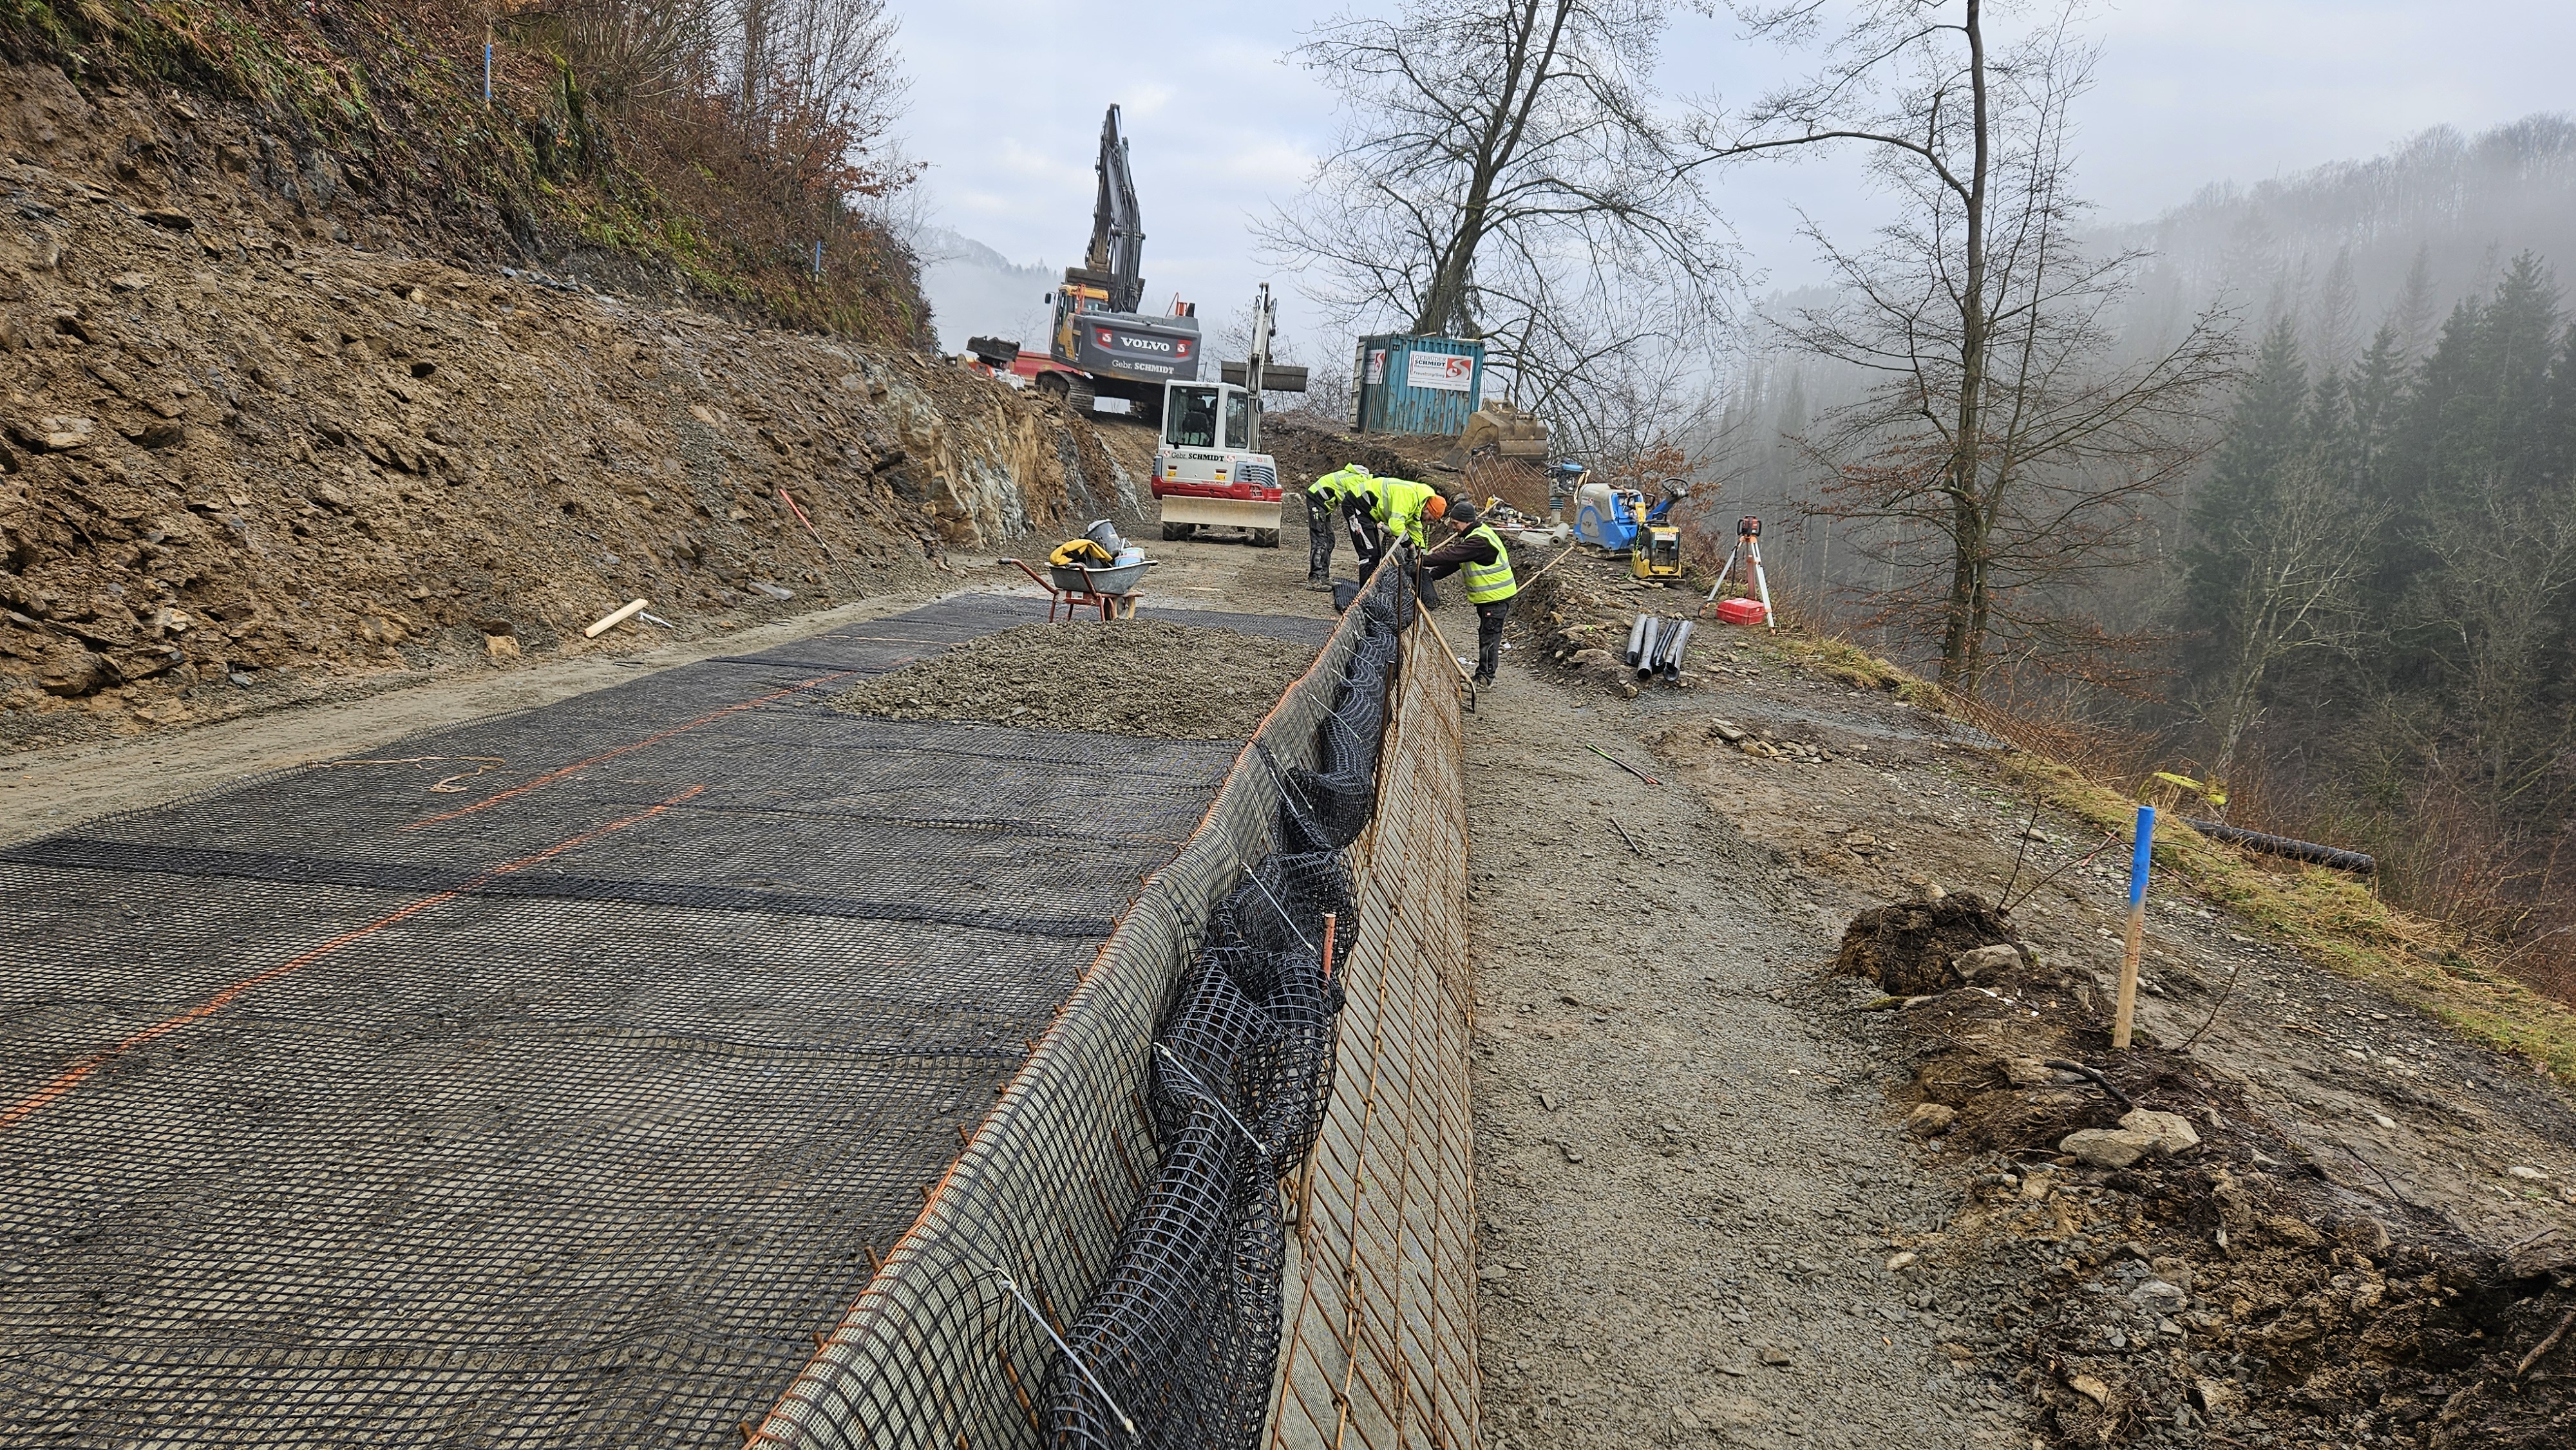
(1116, 351)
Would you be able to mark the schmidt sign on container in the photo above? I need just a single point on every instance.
(1446, 371)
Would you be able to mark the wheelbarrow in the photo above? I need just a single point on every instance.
(1072, 588)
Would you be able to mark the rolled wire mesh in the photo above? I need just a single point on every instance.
(1102, 1242)
(1168, 1352)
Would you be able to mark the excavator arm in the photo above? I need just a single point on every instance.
(1116, 261)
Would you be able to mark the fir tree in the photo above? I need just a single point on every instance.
(2270, 426)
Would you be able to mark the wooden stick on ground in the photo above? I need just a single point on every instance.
(2546, 1345)
(611, 620)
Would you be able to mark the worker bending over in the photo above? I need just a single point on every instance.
(1478, 552)
(1408, 510)
(1405, 508)
(1359, 508)
(1385, 513)
(1324, 498)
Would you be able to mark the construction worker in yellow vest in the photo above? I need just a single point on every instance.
(1404, 506)
(1405, 509)
(1478, 552)
(1324, 500)
(1361, 500)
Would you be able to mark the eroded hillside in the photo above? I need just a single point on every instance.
(248, 446)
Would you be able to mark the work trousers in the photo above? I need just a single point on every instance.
(1368, 543)
(1489, 639)
(1319, 539)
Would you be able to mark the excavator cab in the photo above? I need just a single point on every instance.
(1072, 300)
(1207, 415)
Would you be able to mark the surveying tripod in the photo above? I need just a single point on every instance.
(1748, 551)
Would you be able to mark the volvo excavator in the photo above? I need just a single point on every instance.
(1114, 350)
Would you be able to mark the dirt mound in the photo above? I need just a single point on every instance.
(1911, 949)
(2233, 1292)
(1130, 677)
(1306, 450)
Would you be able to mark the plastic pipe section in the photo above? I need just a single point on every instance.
(2296, 850)
(1674, 644)
(1644, 657)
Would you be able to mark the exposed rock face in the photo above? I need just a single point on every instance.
(232, 438)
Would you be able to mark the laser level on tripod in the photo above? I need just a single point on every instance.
(1748, 552)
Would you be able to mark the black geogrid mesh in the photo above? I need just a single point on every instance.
(561, 1106)
(1178, 1346)
(1123, 1202)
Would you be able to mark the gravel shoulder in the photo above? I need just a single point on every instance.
(43, 791)
(2361, 1248)
(1688, 1184)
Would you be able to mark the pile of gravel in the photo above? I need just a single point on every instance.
(1126, 677)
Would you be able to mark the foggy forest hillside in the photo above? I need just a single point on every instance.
(2357, 609)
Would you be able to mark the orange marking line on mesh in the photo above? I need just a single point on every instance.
(37, 1101)
(578, 766)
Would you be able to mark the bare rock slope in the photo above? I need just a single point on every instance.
(246, 448)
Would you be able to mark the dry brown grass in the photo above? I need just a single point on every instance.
(2098, 775)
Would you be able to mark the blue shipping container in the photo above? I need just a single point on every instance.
(1409, 384)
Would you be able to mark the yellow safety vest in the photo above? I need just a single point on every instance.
(1338, 484)
(1399, 507)
(1490, 583)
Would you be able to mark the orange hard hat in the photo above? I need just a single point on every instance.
(1435, 507)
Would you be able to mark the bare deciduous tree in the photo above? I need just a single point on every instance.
(1502, 173)
(2003, 450)
(2304, 562)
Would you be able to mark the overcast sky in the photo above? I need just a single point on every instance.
(1007, 97)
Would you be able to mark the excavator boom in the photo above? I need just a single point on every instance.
(1116, 259)
(1097, 330)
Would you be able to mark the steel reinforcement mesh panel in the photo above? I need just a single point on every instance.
(554, 1079)
(1380, 1334)
(953, 1343)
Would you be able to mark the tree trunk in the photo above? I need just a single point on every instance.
(1963, 639)
(755, 54)
(1444, 304)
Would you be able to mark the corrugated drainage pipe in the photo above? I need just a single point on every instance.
(2336, 857)
(1636, 634)
(1645, 660)
(1678, 641)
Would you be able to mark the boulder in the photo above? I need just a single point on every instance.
(2108, 1147)
(1987, 964)
(2172, 1132)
